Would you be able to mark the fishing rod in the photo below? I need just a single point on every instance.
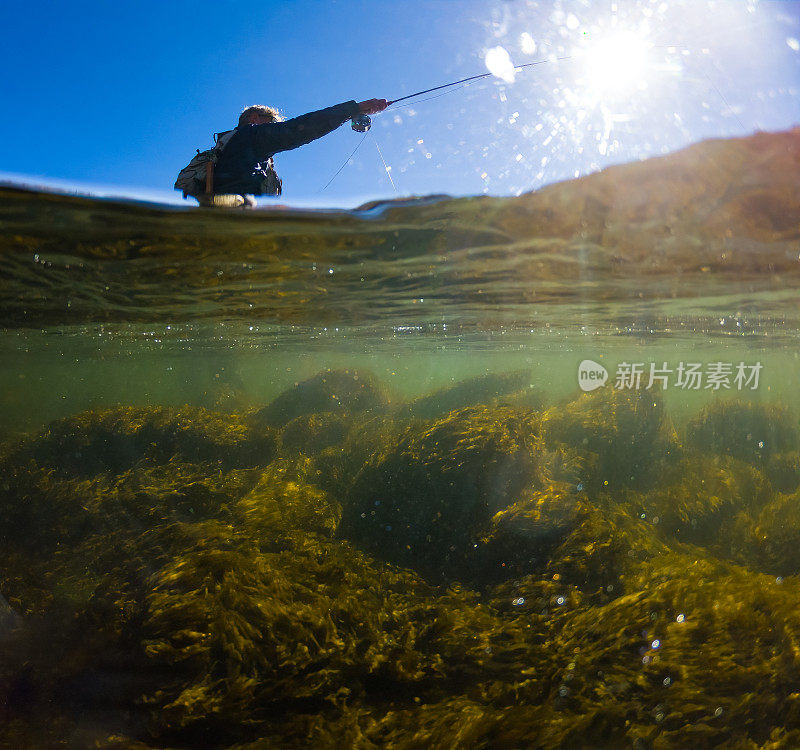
(362, 123)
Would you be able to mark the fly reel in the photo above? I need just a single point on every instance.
(361, 124)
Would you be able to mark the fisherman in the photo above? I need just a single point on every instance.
(244, 166)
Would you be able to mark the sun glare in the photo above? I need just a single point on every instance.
(617, 63)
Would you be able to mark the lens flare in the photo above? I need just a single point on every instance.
(499, 64)
(617, 63)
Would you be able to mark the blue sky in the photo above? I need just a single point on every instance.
(114, 98)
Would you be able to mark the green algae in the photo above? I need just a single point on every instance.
(752, 432)
(623, 435)
(783, 470)
(420, 499)
(112, 440)
(494, 576)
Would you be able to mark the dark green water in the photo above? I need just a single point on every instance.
(307, 479)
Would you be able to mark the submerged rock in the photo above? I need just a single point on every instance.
(192, 602)
(312, 433)
(329, 391)
(520, 539)
(748, 431)
(246, 636)
(783, 470)
(642, 667)
(284, 500)
(702, 499)
(483, 389)
(623, 434)
(777, 535)
(117, 439)
(421, 500)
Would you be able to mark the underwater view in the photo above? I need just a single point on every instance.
(516, 472)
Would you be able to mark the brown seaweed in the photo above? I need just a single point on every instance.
(576, 577)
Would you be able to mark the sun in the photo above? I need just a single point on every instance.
(616, 63)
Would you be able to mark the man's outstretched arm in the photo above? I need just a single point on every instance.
(273, 137)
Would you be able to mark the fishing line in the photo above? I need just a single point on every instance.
(722, 96)
(385, 165)
(352, 154)
(463, 81)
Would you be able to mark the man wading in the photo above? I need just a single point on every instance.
(240, 165)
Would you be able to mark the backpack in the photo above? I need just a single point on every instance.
(197, 177)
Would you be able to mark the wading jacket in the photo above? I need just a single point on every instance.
(237, 169)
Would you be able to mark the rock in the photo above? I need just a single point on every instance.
(117, 439)
(749, 431)
(312, 433)
(483, 389)
(422, 499)
(351, 391)
(622, 434)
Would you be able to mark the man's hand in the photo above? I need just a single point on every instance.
(372, 106)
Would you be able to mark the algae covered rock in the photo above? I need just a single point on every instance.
(701, 498)
(286, 500)
(520, 538)
(777, 534)
(697, 653)
(783, 470)
(243, 635)
(312, 433)
(623, 432)
(351, 391)
(340, 463)
(198, 579)
(749, 431)
(64, 539)
(213, 604)
(559, 535)
(422, 500)
(484, 389)
(117, 439)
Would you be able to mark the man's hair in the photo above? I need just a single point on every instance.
(262, 110)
